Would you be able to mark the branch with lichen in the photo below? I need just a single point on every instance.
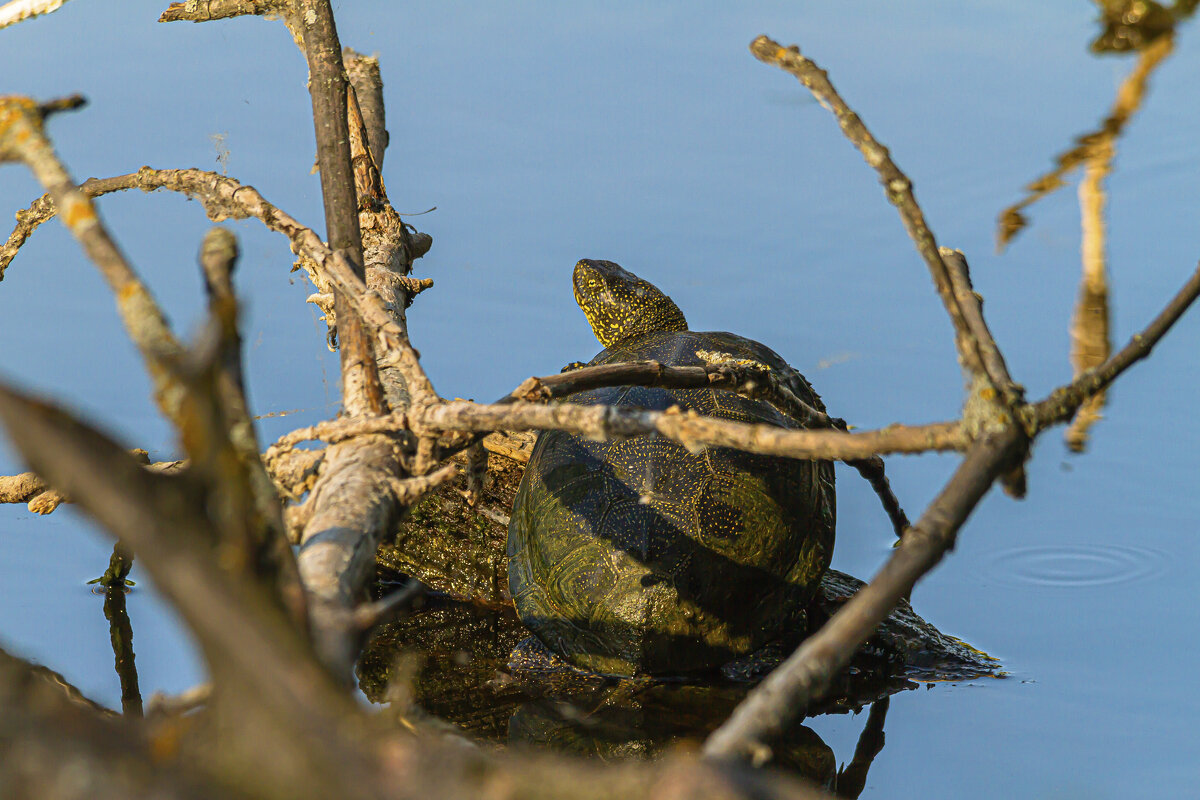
(607, 422)
(210, 10)
(23, 138)
(225, 198)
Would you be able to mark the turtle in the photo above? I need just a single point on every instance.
(636, 557)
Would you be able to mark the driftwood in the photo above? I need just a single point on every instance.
(279, 633)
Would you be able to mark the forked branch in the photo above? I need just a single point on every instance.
(896, 184)
(1001, 443)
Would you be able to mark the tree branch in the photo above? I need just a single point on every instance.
(22, 138)
(606, 422)
(896, 184)
(361, 389)
(225, 198)
(209, 10)
(782, 697)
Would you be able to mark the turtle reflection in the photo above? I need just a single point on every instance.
(465, 676)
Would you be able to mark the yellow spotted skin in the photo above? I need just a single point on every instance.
(620, 305)
(635, 556)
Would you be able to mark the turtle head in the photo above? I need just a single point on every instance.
(619, 305)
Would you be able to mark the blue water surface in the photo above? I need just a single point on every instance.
(647, 134)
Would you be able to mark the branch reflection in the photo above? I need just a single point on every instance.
(1147, 28)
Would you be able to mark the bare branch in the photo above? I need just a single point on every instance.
(365, 77)
(361, 389)
(358, 499)
(606, 422)
(293, 473)
(389, 248)
(782, 697)
(225, 198)
(22, 138)
(896, 184)
(690, 430)
(257, 654)
(349, 511)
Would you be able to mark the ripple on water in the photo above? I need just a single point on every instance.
(1075, 565)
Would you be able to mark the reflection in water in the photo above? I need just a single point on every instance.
(1135, 24)
(115, 582)
(120, 631)
(1129, 98)
(1091, 343)
(1148, 28)
(467, 677)
(648, 725)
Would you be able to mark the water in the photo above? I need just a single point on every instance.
(651, 137)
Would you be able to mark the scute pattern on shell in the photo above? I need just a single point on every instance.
(637, 556)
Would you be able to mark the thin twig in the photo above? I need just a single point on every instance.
(755, 381)
(897, 185)
(872, 471)
(605, 422)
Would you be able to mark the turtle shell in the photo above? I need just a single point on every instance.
(637, 556)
